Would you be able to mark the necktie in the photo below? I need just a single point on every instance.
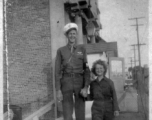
(72, 49)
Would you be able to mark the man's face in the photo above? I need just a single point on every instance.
(72, 36)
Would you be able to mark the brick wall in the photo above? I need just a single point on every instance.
(29, 47)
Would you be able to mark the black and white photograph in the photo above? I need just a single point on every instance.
(75, 59)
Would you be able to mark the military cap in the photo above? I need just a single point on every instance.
(70, 26)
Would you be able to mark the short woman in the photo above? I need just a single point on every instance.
(102, 92)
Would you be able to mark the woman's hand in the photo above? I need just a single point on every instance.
(116, 113)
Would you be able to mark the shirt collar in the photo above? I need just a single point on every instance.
(103, 79)
(69, 46)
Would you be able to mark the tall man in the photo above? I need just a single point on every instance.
(72, 75)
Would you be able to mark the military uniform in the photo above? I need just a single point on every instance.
(105, 100)
(72, 75)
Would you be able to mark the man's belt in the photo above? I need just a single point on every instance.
(103, 99)
(72, 74)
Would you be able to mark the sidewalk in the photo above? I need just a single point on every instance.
(131, 107)
(131, 104)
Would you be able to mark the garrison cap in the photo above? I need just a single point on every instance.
(69, 26)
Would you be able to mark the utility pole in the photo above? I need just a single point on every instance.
(134, 45)
(134, 54)
(137, 25)
(131, 61)
(139, 58)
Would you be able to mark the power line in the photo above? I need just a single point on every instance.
(138, 43)
(146, 26)
(131, 61)
(134, 45)
(139, 57)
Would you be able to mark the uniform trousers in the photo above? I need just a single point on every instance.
(72, 99)
(102, 110)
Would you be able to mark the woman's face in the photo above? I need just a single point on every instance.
(99, 69)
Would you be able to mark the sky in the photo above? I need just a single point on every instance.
(116, 26)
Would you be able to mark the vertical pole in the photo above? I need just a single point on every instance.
(78, 21)
(67, 19)
(131, 62)
(6, 57)
(137, 25)
(3, 81)
(140, 73)
(92, 39)
(57, 22)
(135, 55)
(138, 43)
(140, 102)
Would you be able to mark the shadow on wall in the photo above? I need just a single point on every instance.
(47, 70)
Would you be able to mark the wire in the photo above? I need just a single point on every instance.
(142, 51)
(144, 31)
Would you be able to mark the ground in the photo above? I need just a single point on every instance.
(131, 112)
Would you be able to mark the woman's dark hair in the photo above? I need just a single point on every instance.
(100, 62)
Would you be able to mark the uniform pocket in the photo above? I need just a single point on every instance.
(80, 57)
(66, 84)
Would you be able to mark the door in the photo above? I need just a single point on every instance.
(91, 59)
(117, 75)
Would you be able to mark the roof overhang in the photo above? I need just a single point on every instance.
(102, 47)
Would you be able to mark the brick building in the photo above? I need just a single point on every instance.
(29, 54)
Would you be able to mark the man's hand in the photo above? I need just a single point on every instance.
(92, 76)
(59, 95)
(116, 113)
(84, 92)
